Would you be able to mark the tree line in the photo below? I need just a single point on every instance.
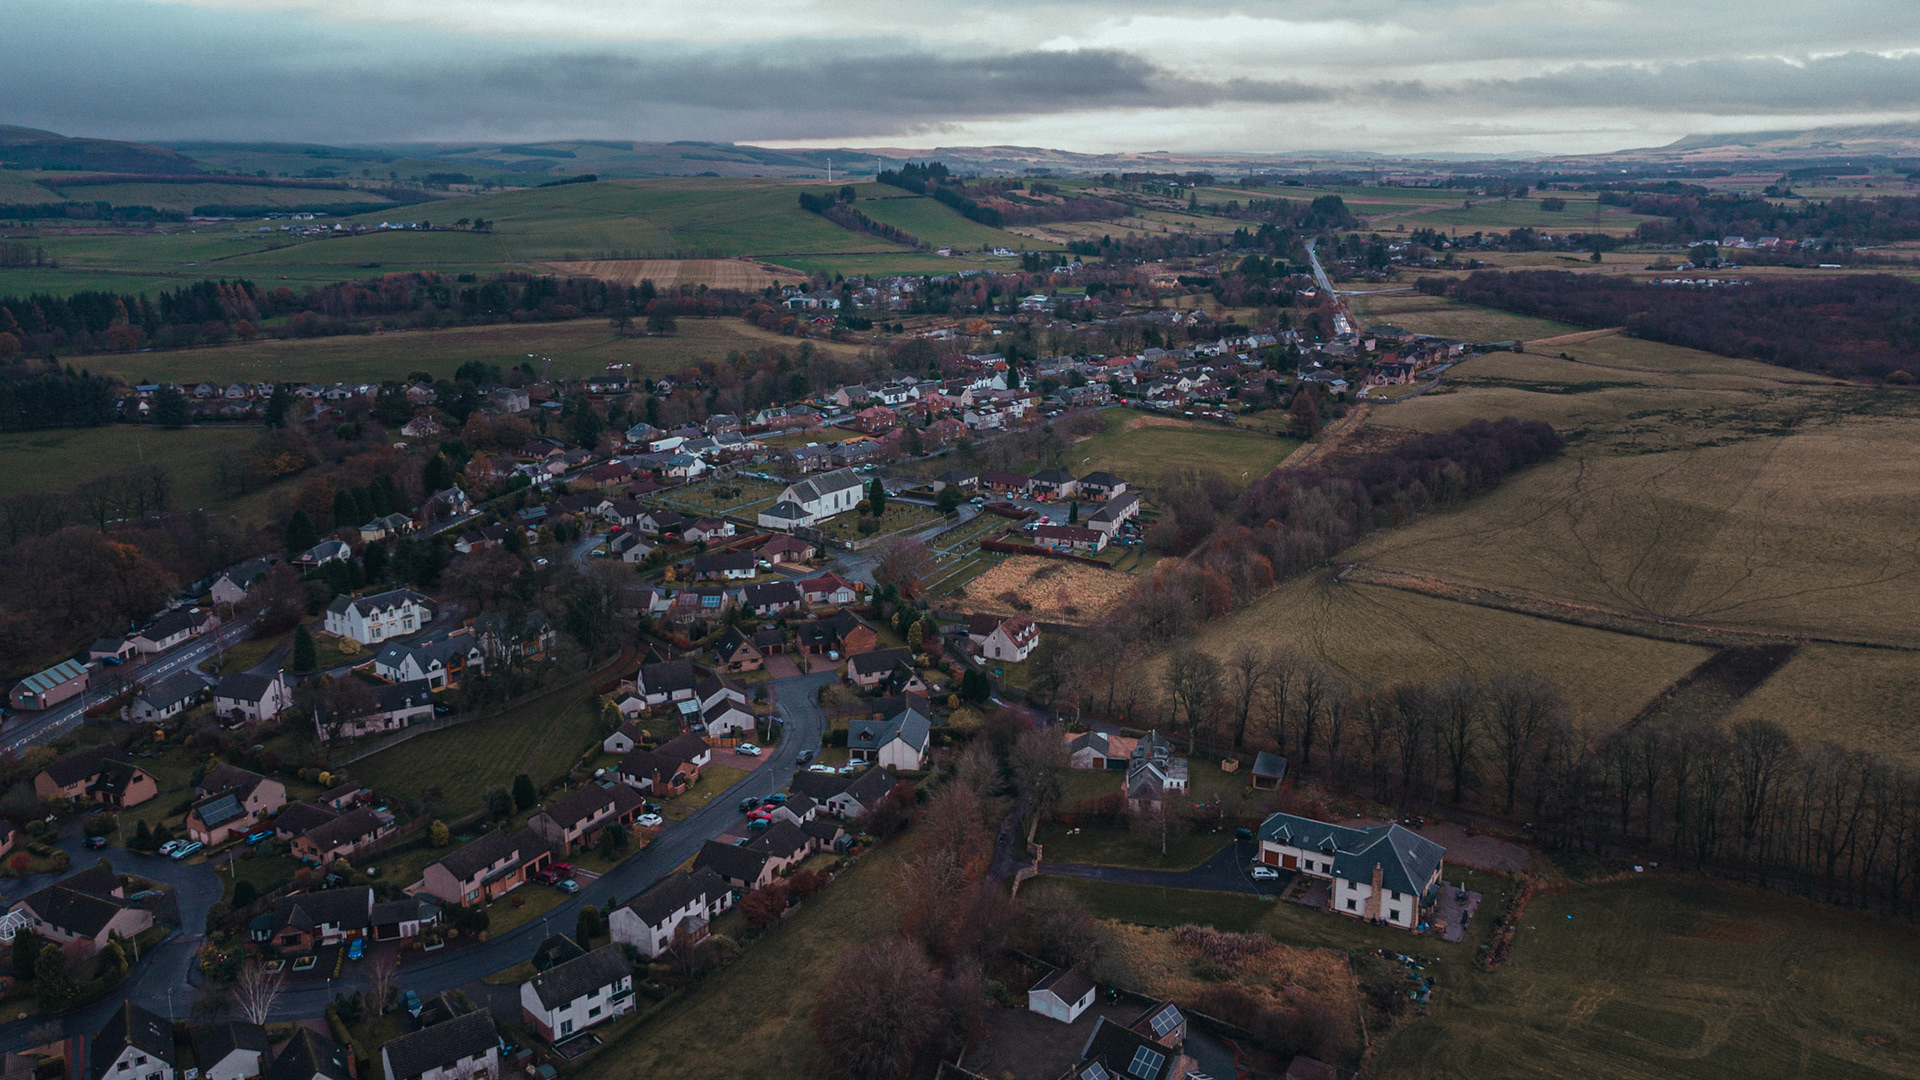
(36, 396)
(1849, 327)
(838, 208)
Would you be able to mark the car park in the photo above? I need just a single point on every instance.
(748, 749)
(650, 821)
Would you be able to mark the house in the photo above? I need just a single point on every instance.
(311, 1056)
(500, 640)
(1052, 484)
(1062, 995)
(168, 698)
(725, 566)
(1098, 750)
(104, 775)
(437, 663)
(624, 739)
(629, 547)
(711, 602)
(1268, 770)
(575, 995)
(305, 921)
(820, 497)
(135, 1045)
(1101, 485)
(244, 698)
(706, 531)
(847, 798)
(486, 868)
(342, 836)
(841, 632)
(897, 737)
(110, 648)
(829, 589)
(1120, 1053)
(382, 527)
(667, 680)
(875, 419)
(782, 548)
(1070, 538)
(741, 868)
(651, 921)
(577, 819)
(371, 619)
(1115, 513)
(230, 1050)
(735, 652)
(1009, 482)
(81, 913)
(773, 598)
(325, 551)
(463, 1048)
(964, 479)
(669, 769)
(48, 688)
(298, 817)
(393, 708)
(1153, 772)
(231, 586)
(169, 630)
(726, 718)
(868, 670)
(1382, 874)
(231, 799)
(1012, 639)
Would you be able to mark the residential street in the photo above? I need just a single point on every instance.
(168, 968)
(1226, 871)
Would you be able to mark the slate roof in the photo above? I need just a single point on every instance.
(1066, 984)
(136, 1027)
(731, 863)
(675, 892)
(1267, 764)
(870, 787)
(310, 1055)
(299, 817)
(818, 487)
(1124, 1054)
(169, 624)
(349, 828)
(772, 593)
(213, 1042)
(557, 949)
(440, 1046)
(77, 912)
(590, 801)
(242, 686)
(77, 767)
(472, 858)
(173, 690)
(910, 725)
(1407, 860)
(668, 676)
(877, 662)
(348, 909)
(580, 976)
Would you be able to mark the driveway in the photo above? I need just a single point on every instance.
(1227, 871)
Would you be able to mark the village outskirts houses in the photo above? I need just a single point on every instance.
(813, 500)
(372, 619)
(1012, 639)
(577, 994)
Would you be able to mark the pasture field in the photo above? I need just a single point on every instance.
(668, 273)
(185, 197)
(62, 459)
(578, 347)
(542, 738)
(1139, 446)
(1582, 214)
(1439, 315)
(1375, 636)
(901, 262)
(1674, 978)
(1862, 698)
(930, 220)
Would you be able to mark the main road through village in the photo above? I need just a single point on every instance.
(165, 982)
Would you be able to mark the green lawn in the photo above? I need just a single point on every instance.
(248, 653)
(1139, 447)
(1122, 847)
(62, 459)
(714, 781)
(542, 739)
(897, 516)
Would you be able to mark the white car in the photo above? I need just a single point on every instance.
(748, 749)
(172, 846)
(1265, 873)
(649, 821)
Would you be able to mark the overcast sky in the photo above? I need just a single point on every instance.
(1397, 76)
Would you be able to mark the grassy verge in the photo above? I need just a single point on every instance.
(1121, 847)
(714, 781)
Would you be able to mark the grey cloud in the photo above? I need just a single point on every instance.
(1851, 82)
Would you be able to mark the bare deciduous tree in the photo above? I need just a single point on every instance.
(1247, 672)
(878, 1012)
(256, 990)
(383, 979)
(1192, 682)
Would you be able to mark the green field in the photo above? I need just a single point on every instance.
(933, 221)
(1424, 314)
(542, 738)
(1139, 446)
(579, 347)
(185, 197)
(62, 459)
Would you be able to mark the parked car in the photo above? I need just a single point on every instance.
(760, 813)
(805, 756)
(358, 949)
(263, 834)
(748, 749)
(565, 870)
(778, 798)
(186, 849)
(828, 769)
(650, 821)
(567, 885)
(1265, 873)
(172, 846)
(95, 843)
(749, 803)
(757, 824)
(542, 876)
(650, 806)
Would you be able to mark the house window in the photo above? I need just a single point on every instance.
(593, 1012)
(1352, 904)
(1393, 916)
(566, 1027)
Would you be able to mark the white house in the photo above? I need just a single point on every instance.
(135, 1045)
(369, 619)
(230, 1050)
(1003, 639)
(898, 741)
(650, 921)
(244, 698)
(814, 499)
(167, 698)
(463, 1048)
(1385, 873)
(1062, 995)
(573, 996)
(437, 663)
(725, 718)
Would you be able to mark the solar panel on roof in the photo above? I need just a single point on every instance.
(1095, 1071)
(1164, 1021)
(1146, 1063)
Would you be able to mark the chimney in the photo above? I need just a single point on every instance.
(1373, 898)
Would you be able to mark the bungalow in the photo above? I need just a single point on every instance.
(463, 1048)
(1070, 538)
(841, 632)
(230, 1050)
(480, 539)
(964, 479)
(168, 698)
(668, 680)
(868, 670)
(896, 737)
(773, 598)
(437, 663)
(577, 820)
(829, 589)
(104, 775)
(741, 868)
(668, 770)
(1008, 482)
(231, 586)
(342, 836)
(1010, 639)
(577, 994)
(370, 619)
(382, 527)
(660, 522)
(702, 603)
(245, 698)
(782, 548)
(169, 630)
(1062, 995)
(48, 688)
(624, 738)
(651, 921)
(135, 1045)
(81, 913)
(725, 566)
(306, 921)
(612, 474)
(735, 652)
(846, 797)
(487, 868)
(393, 708)
(325, 551)
(1381, 874)
(726, 718)
(706, 531)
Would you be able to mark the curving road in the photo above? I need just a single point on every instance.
(169, 966)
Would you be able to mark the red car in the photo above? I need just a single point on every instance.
(542, 877)
(761, 813)
(564, 870)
